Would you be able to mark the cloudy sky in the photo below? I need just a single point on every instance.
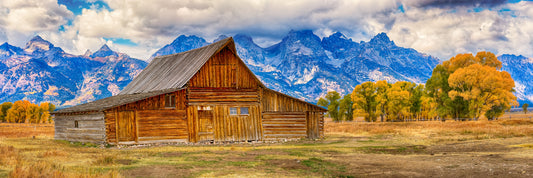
(441, 28)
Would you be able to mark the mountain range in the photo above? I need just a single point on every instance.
(302, 65)
(41, 72)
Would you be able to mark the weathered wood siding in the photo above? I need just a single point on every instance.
(287, 117)
(221, 96)
(127, 127)
(315, 124)
(279, 125)
(223, 70)
(155, 103)
(111, 126)
(152, 120)
(90, 128)
(276, 102)
(161, 124)
(226, 127)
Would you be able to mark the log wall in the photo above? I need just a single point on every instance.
(90, 128)
(220, 96)
(279, 125)
(153, 121)
(287, 117)
(276, 102)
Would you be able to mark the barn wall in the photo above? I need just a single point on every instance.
(286, 117)
(152, 120)
(225, 127)
(161, 124)
(90, 128)
(279, 125)
(276, 102)
(220, 96)
(315, 124)
(223, 70)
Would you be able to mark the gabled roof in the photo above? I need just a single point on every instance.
(164, 74)
(110, 102)
(175, 70)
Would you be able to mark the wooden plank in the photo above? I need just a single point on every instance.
(91, 127)
(218, 72)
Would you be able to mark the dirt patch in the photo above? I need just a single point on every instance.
(395, 150)
(289, 164)
(124, 161)
(157, 171)
(468, 147)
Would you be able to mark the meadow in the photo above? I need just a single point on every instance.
(502, 148)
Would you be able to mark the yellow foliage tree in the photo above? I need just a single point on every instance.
(44, 110)
(483, 86)
(428, 107)
(27, 112)
(18, 112)
(398, 101)
(382, 99)
(32, 113)
(364, 99)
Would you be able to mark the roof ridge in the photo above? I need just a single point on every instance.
(174, 70)
(206, 46)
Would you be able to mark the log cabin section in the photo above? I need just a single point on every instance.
(203, 95)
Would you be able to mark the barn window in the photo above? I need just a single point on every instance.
(244, 111)
(170, 101)
(233, 111)
(76, 124)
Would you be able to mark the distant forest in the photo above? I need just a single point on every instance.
(26, 112)
(465, 87)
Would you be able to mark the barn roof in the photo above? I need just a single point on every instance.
(175, 70)
(113, 101)
(164, 74)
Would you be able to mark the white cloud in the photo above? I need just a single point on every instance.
(445, 33)
(20, 19)
(152, 24)
(442, 30)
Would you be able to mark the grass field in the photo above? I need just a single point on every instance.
(502, 148)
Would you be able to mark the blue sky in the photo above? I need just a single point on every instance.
(441, 28)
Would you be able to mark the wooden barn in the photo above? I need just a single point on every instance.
(202, 95)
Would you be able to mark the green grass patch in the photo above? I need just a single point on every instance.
(298, 153)
(4, 173)
(326, 168)
(246, 164)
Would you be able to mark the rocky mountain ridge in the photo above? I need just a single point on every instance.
(302, 65)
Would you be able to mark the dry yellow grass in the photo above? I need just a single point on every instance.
(347, 145)
(19, 130)
(500, 128)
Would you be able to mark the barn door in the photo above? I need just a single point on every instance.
(126, 126)
(205, 125)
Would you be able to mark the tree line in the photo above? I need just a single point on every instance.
(26, 112)
(464, 87)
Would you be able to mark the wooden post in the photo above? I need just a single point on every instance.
(135, 116)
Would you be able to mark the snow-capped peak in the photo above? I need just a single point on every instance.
(381, 39)
(104, 51)
(38, 44)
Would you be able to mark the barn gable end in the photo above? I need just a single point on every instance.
(206, 94)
